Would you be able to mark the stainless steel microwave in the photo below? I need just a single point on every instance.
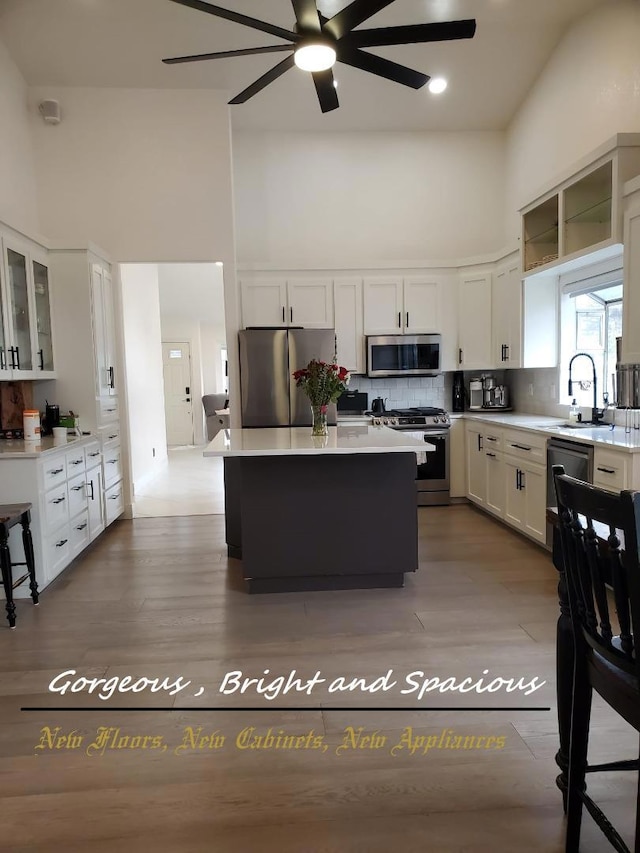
(403, 355)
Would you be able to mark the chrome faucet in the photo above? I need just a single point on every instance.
(596, 413)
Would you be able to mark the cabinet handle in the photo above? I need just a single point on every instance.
(506, 350)
(491, 438)
(41, 357)
(91, 485)
(480, 445)
(61, 543)
(81, 526)
(59, 500)
(17, 351)
(112, 381)
(518, 473)
(520, 447)
(407, 319)
(112, 461)
(55, 471)
(114, 497)
(283, 313)
(492, 455)
(77, 488)
(115, 435)
(459, 356)
(522, 481)
(503, 357)
(95, 453)
(76, 461)
(110, 410)
(607, 470)
(3, 359)
(399, 320)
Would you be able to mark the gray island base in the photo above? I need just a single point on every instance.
(303, 517)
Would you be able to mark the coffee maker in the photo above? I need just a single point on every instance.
(494, 396)
(51, 418)
(476, 394)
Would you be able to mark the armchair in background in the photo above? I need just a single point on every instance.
(213, 403)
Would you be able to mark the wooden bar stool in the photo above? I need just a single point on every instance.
(10, 515)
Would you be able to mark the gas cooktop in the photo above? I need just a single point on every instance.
(420, 417)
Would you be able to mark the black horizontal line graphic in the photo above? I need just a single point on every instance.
(275, 708)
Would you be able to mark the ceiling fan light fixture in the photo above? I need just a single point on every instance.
(315, 56)
(437, 85)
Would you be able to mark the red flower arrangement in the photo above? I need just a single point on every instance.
(323, 383)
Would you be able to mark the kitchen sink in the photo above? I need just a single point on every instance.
(579, 425)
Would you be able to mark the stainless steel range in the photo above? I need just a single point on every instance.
(432, 478)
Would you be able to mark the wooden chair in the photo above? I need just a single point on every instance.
(599, 536)
(10, 515)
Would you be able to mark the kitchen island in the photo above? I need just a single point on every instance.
(308, 513)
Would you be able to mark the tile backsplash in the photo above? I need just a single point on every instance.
(405, 393)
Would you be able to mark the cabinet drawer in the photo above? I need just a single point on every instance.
(75, 461)
(79, 533)
(114, 502)
(56, 507)
(57, 551)
(77, 492)
(54, 471)
(110, 435)
(112, 466)
(526, 445)
(108, 409)
(93, 454)
(493, 439)
(611, 470)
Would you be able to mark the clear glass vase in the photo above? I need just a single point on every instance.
(319, 420)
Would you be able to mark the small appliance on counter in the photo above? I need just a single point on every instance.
(353, 403)
(378, 406)
(476, 394)
(51, 418)
(457, 394)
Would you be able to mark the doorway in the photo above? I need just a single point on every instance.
(178, 385)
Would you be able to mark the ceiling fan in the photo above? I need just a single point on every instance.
(316, 43)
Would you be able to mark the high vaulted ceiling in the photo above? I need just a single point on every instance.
(121, 43)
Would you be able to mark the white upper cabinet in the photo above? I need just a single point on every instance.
(310, 303)
(631, 288)
(349, 323)
(507, 316)
(421, 305)
(104, 331)
(474, 322)
(401, 306)
(306, 302)
(26, 336)
(383, 306)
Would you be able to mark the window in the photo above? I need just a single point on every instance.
(591, 322)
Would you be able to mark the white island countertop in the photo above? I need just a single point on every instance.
(298, 441)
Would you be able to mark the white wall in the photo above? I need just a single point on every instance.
(144, 173)
(143, 367)
(18, 196)
(589, 91)
(345, 199)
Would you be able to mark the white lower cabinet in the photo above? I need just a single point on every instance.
(506, 476)
(69, 504)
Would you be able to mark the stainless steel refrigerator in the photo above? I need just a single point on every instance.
(268, 358)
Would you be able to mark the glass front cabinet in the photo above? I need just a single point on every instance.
(26, 334)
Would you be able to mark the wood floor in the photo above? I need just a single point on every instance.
(157, 597)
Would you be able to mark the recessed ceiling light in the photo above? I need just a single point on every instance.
(315, 56)
(437, 85)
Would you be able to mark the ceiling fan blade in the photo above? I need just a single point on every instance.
(326, 90)
(237, 18)
(277, 71)
(381, 67)
(415, 34)
(307, 16)
(353, 15)
(247, 51)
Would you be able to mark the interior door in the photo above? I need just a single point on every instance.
(176, 362)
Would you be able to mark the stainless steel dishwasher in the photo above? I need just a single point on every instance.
(577, 460)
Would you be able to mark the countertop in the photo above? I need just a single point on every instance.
(19, 449)
(602, 436)
(298, 441)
